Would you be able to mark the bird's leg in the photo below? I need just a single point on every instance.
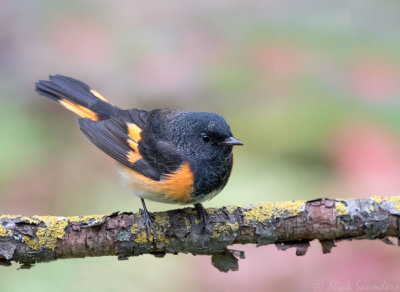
(149, 220)
(204, 218)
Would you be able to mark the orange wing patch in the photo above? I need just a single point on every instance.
(134, 132)
(98, 95)
(134, 135)
(176, 187)
(133, 156)
(79, 110)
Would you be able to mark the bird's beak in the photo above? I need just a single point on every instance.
(232, 141)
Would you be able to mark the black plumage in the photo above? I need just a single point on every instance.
(158, 145)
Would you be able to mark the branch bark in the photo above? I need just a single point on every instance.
(29, 240)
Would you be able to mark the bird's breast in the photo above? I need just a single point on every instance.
(211, 177)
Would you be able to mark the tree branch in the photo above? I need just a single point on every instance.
(29, 240)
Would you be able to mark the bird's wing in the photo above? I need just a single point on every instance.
(126, 142)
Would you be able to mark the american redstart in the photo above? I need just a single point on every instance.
(164, 155)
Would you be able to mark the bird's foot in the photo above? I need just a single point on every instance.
(204, 217)
(149, 220)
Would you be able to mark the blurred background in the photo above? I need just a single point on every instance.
(311, 87)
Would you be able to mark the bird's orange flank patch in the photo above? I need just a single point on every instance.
(179, 185)
(176, 187)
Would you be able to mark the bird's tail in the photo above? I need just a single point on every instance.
(76, 96)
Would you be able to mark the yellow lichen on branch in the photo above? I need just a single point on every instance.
(87, 218)
(219, 228)
(341, 208)
(265, 211)
(4, 231)
(47, 236)
(395, 200)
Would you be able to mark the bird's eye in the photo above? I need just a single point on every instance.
(206, 138)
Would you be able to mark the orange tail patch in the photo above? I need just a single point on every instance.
(79, 110)
(98, 95)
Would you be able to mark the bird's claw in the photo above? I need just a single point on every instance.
(204, 217)
(148, 220)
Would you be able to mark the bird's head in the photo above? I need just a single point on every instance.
(203, 135)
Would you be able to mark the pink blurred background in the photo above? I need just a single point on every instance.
(312, 88)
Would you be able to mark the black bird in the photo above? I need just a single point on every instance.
(164, 155)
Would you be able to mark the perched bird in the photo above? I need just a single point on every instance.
(164, 155)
